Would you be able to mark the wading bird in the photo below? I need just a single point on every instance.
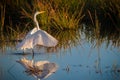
(39, 69)
(37, 37)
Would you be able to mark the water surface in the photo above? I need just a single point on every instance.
(84, 61)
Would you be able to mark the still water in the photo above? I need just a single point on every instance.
(79, 62)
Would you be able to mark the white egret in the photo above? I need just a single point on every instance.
(37, 25)
(37, 37)
(40, 69)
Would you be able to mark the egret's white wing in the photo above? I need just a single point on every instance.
(31, 32)
(47, 69)
(43, 38)
(39, 37)
(51, 68)
(39, 63)
(28, 64)
(26, 43)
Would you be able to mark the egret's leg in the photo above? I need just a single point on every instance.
(23, 51)
(33, 53)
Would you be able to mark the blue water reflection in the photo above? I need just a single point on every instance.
(39, 69)
(82, 62)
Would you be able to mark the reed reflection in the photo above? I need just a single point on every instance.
(99, 34)
(68, 38)
(73, 37)
(39, 69)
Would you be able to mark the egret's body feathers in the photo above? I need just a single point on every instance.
(37, 37)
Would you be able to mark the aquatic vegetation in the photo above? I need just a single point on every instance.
(2, 9)
(67, 17)
(62, 14)
(101, 18)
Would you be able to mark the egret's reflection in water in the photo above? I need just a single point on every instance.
(40, 69)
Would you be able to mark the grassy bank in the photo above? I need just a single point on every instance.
(102, 17)
(60, 15)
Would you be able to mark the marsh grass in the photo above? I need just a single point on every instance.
(57, 16)
(2, 9)
(67, 17)
(101, 17)
(67, 39)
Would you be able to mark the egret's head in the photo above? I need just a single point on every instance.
(38, 12)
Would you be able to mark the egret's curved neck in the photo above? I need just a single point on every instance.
(35, 19)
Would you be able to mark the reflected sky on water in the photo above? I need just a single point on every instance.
(83, 61)
(79, 63)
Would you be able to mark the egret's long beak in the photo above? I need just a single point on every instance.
(38, 12)
(41, 12)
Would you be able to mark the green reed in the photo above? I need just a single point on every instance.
(67, 17)
(102, 18)
(2, 9)
(59, 15)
